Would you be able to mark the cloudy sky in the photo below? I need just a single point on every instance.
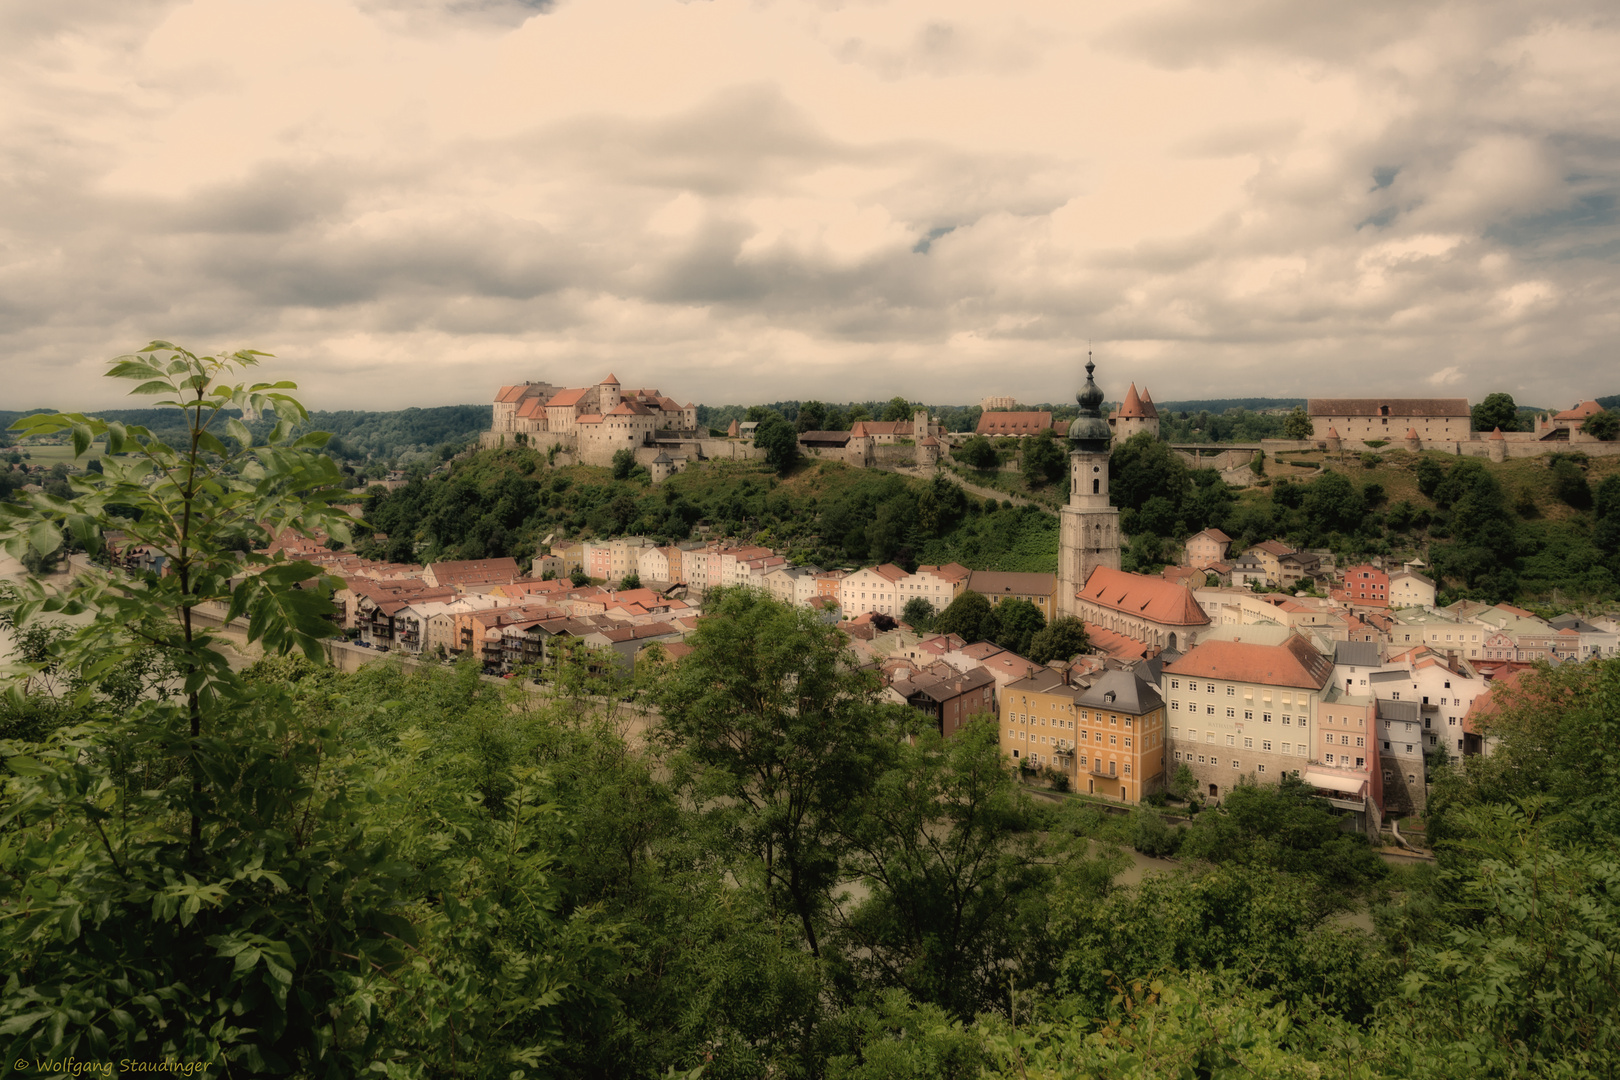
(414, 201)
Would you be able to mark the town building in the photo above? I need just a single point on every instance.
(1158, 613)
(1013, 424)
(949, 698)
(1239, 708)
(1135, 415)
(1207, 548)
(1364, 586)
(1431, 419)
(1408, 588)
(999, 585)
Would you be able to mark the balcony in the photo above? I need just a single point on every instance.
(1102, 768)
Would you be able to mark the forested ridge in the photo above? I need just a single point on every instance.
(423, 873)
(504, 502)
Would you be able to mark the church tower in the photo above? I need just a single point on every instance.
(1088, 534)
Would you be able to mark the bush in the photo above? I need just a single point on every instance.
(1153, 837)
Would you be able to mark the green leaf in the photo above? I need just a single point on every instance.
(45, 537)
(156, 386)
(239, 431)
(81, 440)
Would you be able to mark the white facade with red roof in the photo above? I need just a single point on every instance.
(593, 421)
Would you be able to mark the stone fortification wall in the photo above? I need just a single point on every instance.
(894, 456)
(1518, 444)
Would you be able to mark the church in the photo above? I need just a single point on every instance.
(1160, 614)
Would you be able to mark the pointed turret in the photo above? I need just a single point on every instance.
(1132, 408)
(1148, 407)
(1496, 433)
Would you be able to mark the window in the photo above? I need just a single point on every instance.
(1177, 755)
(1234, 763)
(1248, 714)
(1231, 691)
(1210, 709)
(1230, 713)
(1265, 744)
(1265, 718)
(1200, 759)
(1127, 742)
(1285, 749)
(1175, 733)
(1408, 748)
(1299, 748)
(1176, 705)
(1127, 721)
(1261, 768)
(1015, 753)
(1209, 736)
(1330, 759)
(1248, 744)
(1231, 740)
(1410, 779)
(1174, 685)
(1127, 768)
(1113, 740)
(1192, 733)
(1360, 741)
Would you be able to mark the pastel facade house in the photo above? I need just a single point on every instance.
(872, 589)
(1591, 641)
(1248, 569)
(1389, 419)
(1270, 553)
(1207, 548)
(939, 585)
(1439, 631)
(1040, 721)
(997, 586)
(1240, 708)
(1158, 613)
(1408, 588)
(1364, 586)
(796, 585)
(1122, 738)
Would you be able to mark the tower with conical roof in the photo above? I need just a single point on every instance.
(1088, 534)
(1137, 413)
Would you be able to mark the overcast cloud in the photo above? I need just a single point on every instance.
(412, 202)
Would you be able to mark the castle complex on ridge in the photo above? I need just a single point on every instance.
(594, 422)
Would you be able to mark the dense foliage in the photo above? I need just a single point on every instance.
(505, 502)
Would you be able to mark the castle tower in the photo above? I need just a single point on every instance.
(1088, 535)
(608, 394)
(919, 425)
(1136, 413)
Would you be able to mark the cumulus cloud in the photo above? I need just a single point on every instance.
(414, 202)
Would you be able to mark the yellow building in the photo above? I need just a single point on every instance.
(996, 586)
(1108, 739)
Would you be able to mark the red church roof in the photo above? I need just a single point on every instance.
(1149, 598)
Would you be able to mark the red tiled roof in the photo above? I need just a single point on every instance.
(1273, 547)
(630, 408)
(567, 397)
(1215, 535)
(1496, 433)
(1293, 663)
(532, 406)
(1149, 598)
(1579, 412)
(508, 394)
(1013, 423)
(610, 380)
(949, 571)
(1132, 408)
(589, 418)
(1115, 644)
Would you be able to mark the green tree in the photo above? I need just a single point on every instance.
(1062, 639)
(1569, 482)
(578, 577)
(1333, 504)
(773, 771)
(1603, 425)
(1044, 461)
(919, 614)
(1017, 623)
(977, 453)
(969, 617)
(898, 408)
(632, 580)
(950, 849)
(812, 415)
(1498, 410)
(1297, 425)
(780, 441)
(623, 462)
(190, 859)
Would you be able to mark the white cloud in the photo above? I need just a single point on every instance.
(415, 202)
